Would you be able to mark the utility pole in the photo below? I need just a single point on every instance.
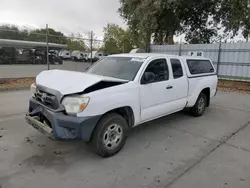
(47, 45)
(91, 47)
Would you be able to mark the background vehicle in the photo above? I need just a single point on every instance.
(73, 54)
(65, 54)
(54, 58)
(118, 93)
(78, 55)
(96, 55)
(8, 55)
(82, 56)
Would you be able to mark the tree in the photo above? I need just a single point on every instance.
(160, 20)
(39, 35)
(75, 45)
(113, 36)
(234, 15)
(197, 20)
(118, 40)
(168, 22)
(12, 32)
(140, 17)
(76, 42)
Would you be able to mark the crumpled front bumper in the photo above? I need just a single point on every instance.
(58, 125)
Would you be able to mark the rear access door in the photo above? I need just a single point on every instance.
(178, 83)
(163, 88)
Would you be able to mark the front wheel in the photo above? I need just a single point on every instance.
(110, 135)
(200, 106)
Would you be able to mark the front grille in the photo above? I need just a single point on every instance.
(47, 99)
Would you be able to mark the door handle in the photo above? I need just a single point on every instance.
(169, 87)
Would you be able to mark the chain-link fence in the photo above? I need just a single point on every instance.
(232, 60)
(25, 53)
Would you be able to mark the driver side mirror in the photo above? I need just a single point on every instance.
(148, 77)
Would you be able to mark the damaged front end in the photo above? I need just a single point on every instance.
(48, 116)
(53, 112)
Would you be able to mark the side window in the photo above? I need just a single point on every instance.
(177, 68)
(200, 66)
(156, 71)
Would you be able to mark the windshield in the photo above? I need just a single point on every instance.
(118, 67)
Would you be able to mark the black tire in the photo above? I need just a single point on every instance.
(197, 110)
(97, 141)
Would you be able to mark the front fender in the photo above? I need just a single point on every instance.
(109, 99)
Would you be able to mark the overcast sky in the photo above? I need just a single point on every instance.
(65, 15)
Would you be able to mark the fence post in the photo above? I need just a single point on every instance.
(91, 47)
(148, 50)
(47, 45)
(180, 49)
(218, 61)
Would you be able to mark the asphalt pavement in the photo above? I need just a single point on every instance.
(175, 151)
(19, 71)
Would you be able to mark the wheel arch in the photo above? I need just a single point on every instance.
(207, 92)
(126, 112)
(194, 97)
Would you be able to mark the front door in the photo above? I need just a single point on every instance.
(155, 97)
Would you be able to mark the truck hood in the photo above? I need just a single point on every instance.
(70, 82)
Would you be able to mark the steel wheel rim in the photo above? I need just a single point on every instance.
(112, 136)
(201, 105)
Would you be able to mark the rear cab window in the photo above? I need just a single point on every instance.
(200, 66)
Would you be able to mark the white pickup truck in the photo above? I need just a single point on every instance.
(117, 93)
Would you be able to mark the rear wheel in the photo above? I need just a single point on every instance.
(200, 106)
(110, 135)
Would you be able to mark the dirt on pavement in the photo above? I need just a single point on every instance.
(236, 86)
(15, 83)
(223, 85)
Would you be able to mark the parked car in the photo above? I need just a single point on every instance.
(82, 56)
(54, 57)
(79, 56)
(65, 54)
(96, 55)
(8, 55)
(118, 93)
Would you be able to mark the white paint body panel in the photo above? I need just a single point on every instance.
(147, 102)
(102, 101)
(70, 82)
